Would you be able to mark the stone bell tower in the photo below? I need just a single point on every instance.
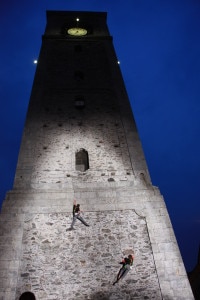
(80, 141)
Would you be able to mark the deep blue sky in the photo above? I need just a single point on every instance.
(158, 45)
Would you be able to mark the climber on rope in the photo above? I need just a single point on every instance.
(77, 215)
(127, 263)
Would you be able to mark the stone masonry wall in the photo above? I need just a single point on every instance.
(35, 246)
(57, 131)
(83, 263)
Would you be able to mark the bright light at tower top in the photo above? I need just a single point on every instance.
(77, 19)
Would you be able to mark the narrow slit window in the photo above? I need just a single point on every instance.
(79, 102)
(79, 76)
(82, 160)
(77, 48)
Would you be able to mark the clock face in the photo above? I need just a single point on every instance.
(77, 31)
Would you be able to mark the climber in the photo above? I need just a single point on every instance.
(77, 215)
(127, 263)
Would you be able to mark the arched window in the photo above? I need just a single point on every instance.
(27, 296)
(82, 160)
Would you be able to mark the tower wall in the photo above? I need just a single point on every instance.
(79, 101)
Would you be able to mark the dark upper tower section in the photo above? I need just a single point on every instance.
(59, 22)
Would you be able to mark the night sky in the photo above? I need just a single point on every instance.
(158, 45)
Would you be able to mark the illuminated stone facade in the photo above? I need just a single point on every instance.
(80, 141)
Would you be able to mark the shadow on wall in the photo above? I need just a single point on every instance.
(109, 296)
(122, 292)
(128, 289)
(100, 296)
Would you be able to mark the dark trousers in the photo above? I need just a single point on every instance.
(123, 272)
(75, 217)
